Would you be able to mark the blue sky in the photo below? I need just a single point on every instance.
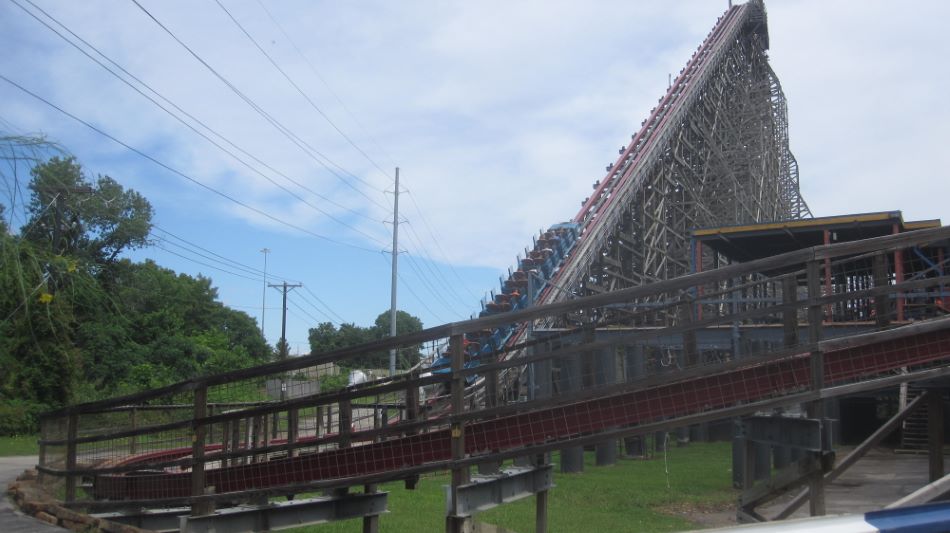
(500, 114)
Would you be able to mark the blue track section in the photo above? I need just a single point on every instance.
(542, 262)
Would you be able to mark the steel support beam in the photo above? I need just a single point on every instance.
(486, 492)
(281, 515)
(801, 433)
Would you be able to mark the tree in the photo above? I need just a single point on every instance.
(327, 337)
(94, 222)
(79, 322)
(405, 323)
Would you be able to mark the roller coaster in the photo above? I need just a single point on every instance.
(615, 323)
(532, 277)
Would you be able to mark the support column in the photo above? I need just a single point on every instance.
(606, 374)
(72, 430)
(412, 413)
(899, 277)
(633, 446)
(460, 474)
(781, 456)
(134, 439)
(935, 431)
(829, 310)
(370, 522)
(739, 455)
(762, 461)
(491, 400)
(698, 267)
(816, 486)
(882, 311)
(541, 501)
(790, 316)
(572, 458)
(199, 508)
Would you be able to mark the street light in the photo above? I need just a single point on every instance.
(264, 251)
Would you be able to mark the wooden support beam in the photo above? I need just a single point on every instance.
(790, 316)
(200, 507)
(541, 503)
(882, 432)
(935, 433)
(72, 429)
(454, 523)
(882, 313)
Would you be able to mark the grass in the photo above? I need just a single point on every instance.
(629, 496)
(19, 445)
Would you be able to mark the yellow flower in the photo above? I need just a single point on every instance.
(46, 298)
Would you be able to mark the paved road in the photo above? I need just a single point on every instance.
(11, 520)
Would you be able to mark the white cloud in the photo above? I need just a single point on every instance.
(501, 114)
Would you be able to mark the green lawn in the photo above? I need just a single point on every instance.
(19, 445)
(629, 496)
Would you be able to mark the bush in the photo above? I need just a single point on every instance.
(334, 383)
(20, 417)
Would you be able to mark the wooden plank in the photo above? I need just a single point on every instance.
(200, 507)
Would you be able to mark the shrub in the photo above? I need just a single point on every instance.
(20, 417)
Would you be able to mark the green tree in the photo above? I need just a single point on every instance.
(37, 353)
(327, 337)
(79, 322)
(91, 221)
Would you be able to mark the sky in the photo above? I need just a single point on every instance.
(499, 114)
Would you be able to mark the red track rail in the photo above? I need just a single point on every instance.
(675, 90)
(696, 395)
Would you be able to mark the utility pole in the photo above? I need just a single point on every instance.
(392, 300)
(285, 288)
(264, 251)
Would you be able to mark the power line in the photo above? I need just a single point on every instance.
(161, 239)
(217, 258)
(436, 272)
(316, 321)
(324, 82)
(247, 268)
(438, 246)
(299, 90)
(252, 270)
(182, 174)
(310, 150)
(160, 247)
(201, 123)
(321, 302)
(416, 296)
(413, 264)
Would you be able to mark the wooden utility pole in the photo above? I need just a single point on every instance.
(284, 288)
